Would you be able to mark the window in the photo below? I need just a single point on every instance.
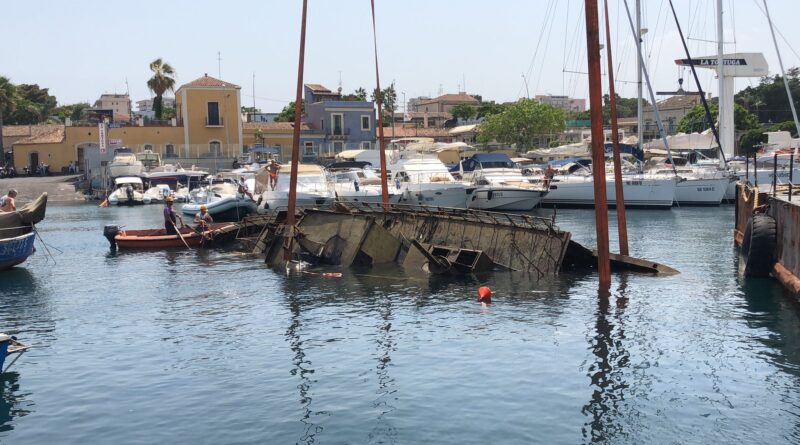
(170, 151)
(213, 114)
(365, 123)
(366, 145)
(322, 124)
(308, 149)
(148, 147)
(215, 148)
(337, 147)
(337, 124)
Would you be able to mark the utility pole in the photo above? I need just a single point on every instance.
(219, 64)
(525, 81)
(254, 91)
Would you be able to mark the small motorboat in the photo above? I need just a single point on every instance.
(159, 239)
(17, 232)
(124, 163)
(9, 345)
(223, 200)
(129, 190)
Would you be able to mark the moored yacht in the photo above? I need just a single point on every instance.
(124, 163)
(313, 189)
(495, 183)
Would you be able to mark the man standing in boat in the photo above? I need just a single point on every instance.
(202, 219)
(7, 203)
(272, 169)
(171, 217)
(243, 188)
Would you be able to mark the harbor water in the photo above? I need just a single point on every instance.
(195, 346)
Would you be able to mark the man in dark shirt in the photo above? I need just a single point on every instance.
(171, 217)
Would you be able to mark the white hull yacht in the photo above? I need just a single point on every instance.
(494, 183)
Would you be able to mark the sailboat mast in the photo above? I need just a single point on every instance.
(721, 79)
(622, 224)
(639, 104)
(783, 73)
(381, 140)
(290, 220)
(598, 146)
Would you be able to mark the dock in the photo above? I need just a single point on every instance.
(768, 231)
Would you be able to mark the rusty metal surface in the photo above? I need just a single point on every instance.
(787, 219)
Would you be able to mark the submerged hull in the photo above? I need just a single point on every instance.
(639, 192)
(16, 250)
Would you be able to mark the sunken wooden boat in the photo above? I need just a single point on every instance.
(156, 239)
(17, 232)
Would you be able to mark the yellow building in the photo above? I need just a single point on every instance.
(207, 131)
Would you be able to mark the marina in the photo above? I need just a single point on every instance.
(225, 264)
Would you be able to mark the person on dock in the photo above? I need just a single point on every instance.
(243, 188)
(202, 219)
(8, 203)
(272, 169)
(171, 217)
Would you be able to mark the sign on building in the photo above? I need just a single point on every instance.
(115, 141)
(101, 133)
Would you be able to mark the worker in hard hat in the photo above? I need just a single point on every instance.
(202, 219)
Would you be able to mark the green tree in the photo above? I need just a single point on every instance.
(72, 111)
(163, 80)
(463, 111)
(488, 108)
(695, 119)
(8, 103)
(259, 136)
(250, 110)
(34, 105)
(768, 100)
(521, 122)
(168, 113)
(287, 114)
(359, 95)
(388, 98)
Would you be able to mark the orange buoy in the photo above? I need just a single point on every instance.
(484, 294)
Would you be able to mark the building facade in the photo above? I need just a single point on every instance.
(671, 110)
(565, 103)
(207, 132)
(344, 125)
(119, 104)
(443, 103)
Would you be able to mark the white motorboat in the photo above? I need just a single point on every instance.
(358, 184)
(576, 189)
(495, 183)
(176, 176)
(150, 160)
(313, 189)
(763, 175)
(125, 163)
(128, 190)
(223, 201)
(424, 180)
(157, 193)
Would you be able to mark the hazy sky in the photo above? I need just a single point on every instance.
(80, 49)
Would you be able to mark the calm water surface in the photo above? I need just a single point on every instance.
(213, 347)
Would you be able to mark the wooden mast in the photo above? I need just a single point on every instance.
(381, 141)
(598, 146)
(622, 223)
(290, 220)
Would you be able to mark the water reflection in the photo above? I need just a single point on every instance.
(384, 431)
(13, 402)
(301, 365)
(607, 372)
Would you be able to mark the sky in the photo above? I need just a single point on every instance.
(81, 49)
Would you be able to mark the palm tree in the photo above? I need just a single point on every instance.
(163, 80)
(8, 102)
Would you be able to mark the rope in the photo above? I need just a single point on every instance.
(45, 244)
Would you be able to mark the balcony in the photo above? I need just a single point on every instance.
(337, 134)
(215, 122)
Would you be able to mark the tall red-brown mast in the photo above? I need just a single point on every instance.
(381, 141)
(298, 112)
(598, 146)
(622, 224)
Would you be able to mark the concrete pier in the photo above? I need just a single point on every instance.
(58, 188)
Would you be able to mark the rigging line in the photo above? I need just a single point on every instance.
(546, 47)
(661, 41)
(268, 99)
(783, 72)
(700, 89)
(547, 15)
(778, 31)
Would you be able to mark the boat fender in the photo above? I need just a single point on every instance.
(484, 295)
(759, 246)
